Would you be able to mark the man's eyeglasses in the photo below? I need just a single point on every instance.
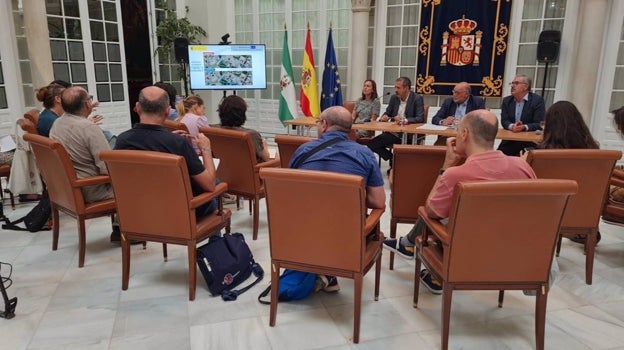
(516, 82)
(89, 98)
(320, 121)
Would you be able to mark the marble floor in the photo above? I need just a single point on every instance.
(62, 306)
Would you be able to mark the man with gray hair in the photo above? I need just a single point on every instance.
(150, 135)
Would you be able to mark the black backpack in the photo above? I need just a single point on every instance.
(36, 220)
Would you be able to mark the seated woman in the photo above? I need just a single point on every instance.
(50, 96)
(232, 114)
(564, 128)
(367, 107)
(192, 110)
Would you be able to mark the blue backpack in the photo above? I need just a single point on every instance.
(293, 285)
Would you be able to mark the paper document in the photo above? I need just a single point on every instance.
(7, 143)
(432, 127)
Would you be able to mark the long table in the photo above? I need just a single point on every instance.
(304, 123)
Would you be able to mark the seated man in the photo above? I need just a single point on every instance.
(522, 111)
(345, 157)
(149, 135)
(469, 157)
(404, 105)
(454, 108)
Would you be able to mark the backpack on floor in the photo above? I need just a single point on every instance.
(293, 285)
(37, 219)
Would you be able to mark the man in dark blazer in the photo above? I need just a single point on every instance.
(404, 106)
(454, 108)
(522, 111)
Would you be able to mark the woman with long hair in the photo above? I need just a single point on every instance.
(192, 112)
(367, 107)
(564, 128)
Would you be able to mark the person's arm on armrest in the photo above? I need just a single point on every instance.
(206, 179)
(375, 197)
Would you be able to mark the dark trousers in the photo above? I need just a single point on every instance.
(382, 144)
(513, 148)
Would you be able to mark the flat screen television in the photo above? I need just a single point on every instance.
(227, 67)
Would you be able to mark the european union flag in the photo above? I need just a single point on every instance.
(332, 92)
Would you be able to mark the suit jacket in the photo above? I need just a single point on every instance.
(449, 107)
(532, 112)
(414, 111)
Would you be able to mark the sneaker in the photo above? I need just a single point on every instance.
(328, 284)
(429, 282)
(394, 245)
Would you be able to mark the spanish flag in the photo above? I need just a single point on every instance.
(309, 91)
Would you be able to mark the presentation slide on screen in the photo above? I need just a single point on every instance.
(227, 67)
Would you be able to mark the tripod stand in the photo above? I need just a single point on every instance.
(9, 304)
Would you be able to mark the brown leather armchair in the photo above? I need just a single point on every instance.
(287, 145)
(415, 170)
(591, 169)
(27, 126)
(160, 208)
(238, 166)
(172, 125)
(65, 188)
(306, 234)
(33, 116)
(498, 252)
(613, 212)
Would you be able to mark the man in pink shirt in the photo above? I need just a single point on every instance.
(469, 157)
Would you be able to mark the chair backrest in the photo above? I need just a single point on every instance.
(33, 116)
(58, 172)
(152, 192)
(426, 107)
(172, 125)
(27, 126)
(590, 168)
(237, 158)
(415, 170)
(349, 105)
(305, 228)
(489, 243)
(287, 145)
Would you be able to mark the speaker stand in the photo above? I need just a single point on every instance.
(544, 80)
(184, 78)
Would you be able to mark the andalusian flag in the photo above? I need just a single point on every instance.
(309, 91)
(288, 98)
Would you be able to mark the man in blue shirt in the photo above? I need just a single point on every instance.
(345, 157)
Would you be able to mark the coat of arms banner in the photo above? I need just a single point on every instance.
(462, 40)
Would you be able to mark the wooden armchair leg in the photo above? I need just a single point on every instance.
(416, 280)
(164, 251)
(501, 296)
(393, 227)
(55, 228)
(192, 269)
(357, 307)
(82, 241)
(447, 298)
(125, 261)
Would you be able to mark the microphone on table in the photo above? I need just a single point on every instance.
(382, 96)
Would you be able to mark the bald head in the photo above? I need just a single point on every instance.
(153, 100)
(483, 126)
(338, 118)
(74, 101)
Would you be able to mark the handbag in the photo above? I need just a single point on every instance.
(36, 220)
(225, 262)
(293, 285)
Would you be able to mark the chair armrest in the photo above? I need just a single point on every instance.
(372, 220)
(208, 196)
(435, 226)
(617, 178)
(273, 163)
(90, 181)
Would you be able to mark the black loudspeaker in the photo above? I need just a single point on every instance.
(180, 47)
(548, 46)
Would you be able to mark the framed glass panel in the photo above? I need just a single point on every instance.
(61, 71)
(78, 72)
(55, 27)
(101, 72)
(111, 32)
(71, 8)
(1, 75)
(3, 99)
(58, 49)
(99, 52)
(115, 72)
(113, 53)
(117, 91)
(53, 7)
(103, 92)
(76, 51)
(73, 28)
(110, 13)
(97, 30)
(95, 10)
